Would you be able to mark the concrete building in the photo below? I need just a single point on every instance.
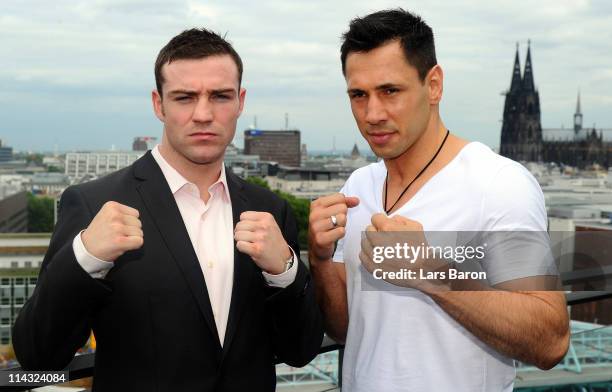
(306, 183)
(283, 147)
(244, 165)
(144, 143)
(6, 153)
(20, 258)
(99, 163)
(49, 183)
(14, 213)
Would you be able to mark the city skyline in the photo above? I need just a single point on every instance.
(79, 75)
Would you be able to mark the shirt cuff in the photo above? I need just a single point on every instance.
(284, 279)
(95, 267)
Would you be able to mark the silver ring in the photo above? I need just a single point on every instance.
(334, 220)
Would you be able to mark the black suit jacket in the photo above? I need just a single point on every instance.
(151, 315)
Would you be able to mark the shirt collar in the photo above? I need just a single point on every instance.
(176, 180)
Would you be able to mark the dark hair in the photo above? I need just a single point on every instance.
(191, 45)
(379, 28)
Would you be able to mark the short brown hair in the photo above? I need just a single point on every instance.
(194, 44)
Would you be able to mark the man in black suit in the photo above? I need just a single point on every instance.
(187, 275)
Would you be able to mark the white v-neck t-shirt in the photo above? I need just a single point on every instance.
(402, 340)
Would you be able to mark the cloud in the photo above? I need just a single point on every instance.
(79, 74)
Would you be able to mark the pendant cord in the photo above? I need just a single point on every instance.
(414, 179)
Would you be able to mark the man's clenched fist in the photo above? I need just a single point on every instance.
(258, 236)
(323, 230)
(113, 231)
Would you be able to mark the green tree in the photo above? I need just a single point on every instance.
(300, 207)
(258, 181)
(40, 214)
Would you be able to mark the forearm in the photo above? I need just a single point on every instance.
(531, 327)
(331, 297)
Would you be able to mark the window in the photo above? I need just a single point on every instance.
(27, 264)
(14, 264)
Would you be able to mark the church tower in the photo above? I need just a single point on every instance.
(578, 133)
(521, 135)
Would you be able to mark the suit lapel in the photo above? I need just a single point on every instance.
(242, 263)
(162, 207)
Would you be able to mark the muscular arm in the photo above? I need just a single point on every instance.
(330, 277)
(530, 326)
(331, 297)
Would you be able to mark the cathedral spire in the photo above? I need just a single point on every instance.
(516, 74)
(528, 74)
(578, 116)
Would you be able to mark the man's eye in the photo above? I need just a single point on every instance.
(221, 97)
(183, 98)
(356, 94)
(391, 91)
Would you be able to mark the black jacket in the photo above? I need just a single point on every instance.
(151, 315)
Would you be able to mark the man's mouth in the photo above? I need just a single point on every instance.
(380, 137)
(203, 135)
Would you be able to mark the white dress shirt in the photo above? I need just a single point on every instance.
(210, 228)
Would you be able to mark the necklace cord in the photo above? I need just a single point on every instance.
(414, 179)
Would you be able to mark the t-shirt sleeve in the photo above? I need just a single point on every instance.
(514, 222)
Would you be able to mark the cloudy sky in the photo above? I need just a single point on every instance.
(78, 74)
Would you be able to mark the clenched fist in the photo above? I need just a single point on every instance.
(113, 231)
(323, 230)
(258, 236)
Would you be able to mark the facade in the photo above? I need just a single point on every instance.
(79, 164)
(6, 153)
(20, 258)
(14, 213)
(522, 136)
(144, 143)
(306, 183)
(283, 147)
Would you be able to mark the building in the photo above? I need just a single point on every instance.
(522, 136)
(305, 183)
(98, 163)
(6, 153)
(144, 143)
(244, 165)
(49, 183)
(283, 147)
(14, 213)
(20, 258)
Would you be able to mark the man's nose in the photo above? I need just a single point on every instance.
(203, 111)
(375, 111)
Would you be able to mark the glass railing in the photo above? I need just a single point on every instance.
(589, 359)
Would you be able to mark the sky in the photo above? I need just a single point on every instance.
(77, 75)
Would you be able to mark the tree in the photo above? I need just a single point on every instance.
(40, 214)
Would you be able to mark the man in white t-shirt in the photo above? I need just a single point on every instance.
(425, 339)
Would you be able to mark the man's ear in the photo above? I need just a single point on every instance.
(158, 108)
(241, 97)
(435, 82)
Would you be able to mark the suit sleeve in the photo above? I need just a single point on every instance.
(296, 319)
(56, 321)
